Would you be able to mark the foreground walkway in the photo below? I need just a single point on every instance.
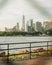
(5, 63)
(36, 61)
(2, 63)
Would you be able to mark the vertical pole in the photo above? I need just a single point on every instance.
(30, 50)
(47, 48)
(8, 53)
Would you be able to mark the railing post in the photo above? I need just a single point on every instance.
(7, 53)
(47, 48)
(30, 50)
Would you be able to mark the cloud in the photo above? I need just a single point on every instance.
(40, 9)
(2, 3)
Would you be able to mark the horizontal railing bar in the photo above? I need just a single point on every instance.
(24, 47)
(14, 48)
(24, 42)
(28, 47)
(39, 46)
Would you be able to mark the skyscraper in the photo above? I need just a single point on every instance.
(46, 25)
(31, 24)
(27, 24)
(38, 26)
(23, 23)
(34, 26)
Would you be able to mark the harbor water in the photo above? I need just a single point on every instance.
(22, 39)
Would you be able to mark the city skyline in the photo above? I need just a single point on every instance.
(12, 11)
(30, 26)
(25, 22)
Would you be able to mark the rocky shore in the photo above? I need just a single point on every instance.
(26, 53)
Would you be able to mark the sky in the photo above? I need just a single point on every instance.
(11, 11)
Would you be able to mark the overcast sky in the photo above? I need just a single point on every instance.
(11, 11)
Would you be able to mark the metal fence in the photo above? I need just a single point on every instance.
(25, 45)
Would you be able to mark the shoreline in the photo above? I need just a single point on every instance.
(28, 36)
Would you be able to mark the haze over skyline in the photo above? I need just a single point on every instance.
(11, 12)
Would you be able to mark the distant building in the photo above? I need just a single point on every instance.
(23, 23)
(31, 23)
(29, 29)
(38, 26)
(27, 24)
(17, 27)
(34, 26)
(50, 25)
(14, 29)
(46, 25)
(8, 29)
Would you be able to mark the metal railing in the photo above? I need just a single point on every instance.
(30, 46)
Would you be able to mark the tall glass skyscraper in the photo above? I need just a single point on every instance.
(23, 23)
